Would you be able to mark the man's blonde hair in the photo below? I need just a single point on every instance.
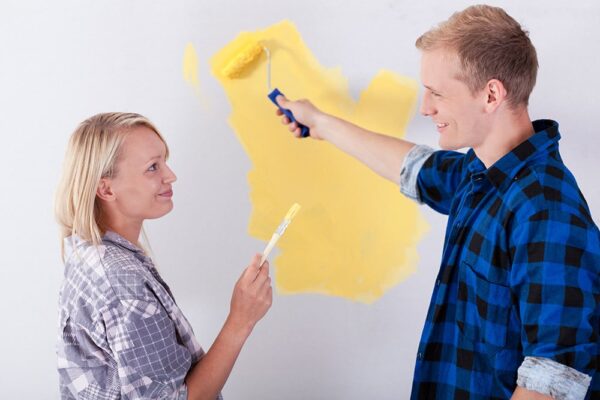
(92, 154)
(490, 44)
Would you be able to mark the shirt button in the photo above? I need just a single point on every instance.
(437, 283)
(420, 356)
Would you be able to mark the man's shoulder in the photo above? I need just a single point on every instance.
(546, 187)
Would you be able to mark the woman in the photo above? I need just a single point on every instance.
(121, 335)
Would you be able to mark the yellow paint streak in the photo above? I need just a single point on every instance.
(190, 66)
(356, 235)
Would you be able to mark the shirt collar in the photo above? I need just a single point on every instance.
(83, 249)
(541, 143)
(115, 238)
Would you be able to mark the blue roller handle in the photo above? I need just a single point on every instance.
(304, 132)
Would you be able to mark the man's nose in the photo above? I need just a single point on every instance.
(426, 108)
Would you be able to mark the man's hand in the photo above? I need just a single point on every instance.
(305, 113)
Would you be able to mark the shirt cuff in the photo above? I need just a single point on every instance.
(182, 393)
(414, 160)
(551, 378)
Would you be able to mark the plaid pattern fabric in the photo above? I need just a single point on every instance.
(519, 273)
(121, 335)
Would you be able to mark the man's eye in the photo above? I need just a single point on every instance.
(153, 167)
(435, 94)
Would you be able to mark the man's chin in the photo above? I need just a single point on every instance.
(446, 145)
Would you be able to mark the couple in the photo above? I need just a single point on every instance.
(514, 312)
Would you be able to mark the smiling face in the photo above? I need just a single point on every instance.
(141, 187)
(459, 115)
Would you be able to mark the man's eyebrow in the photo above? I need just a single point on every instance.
(430, 88)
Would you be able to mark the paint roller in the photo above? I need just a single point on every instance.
(237, 64)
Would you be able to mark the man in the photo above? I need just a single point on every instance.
(514, 311)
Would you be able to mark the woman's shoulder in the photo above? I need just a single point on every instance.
(125, 267)
(99, 280)
(107, 272)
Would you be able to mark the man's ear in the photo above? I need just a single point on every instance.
(104, 190)
(495, 94)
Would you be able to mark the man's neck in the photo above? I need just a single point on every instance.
(508, 130)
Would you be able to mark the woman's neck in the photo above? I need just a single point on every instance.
(130, 230)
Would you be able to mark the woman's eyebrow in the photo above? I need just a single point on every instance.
(154, 158)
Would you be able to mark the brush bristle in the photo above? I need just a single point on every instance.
(293, 211)
(236, 65)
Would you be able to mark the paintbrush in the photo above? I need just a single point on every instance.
(279, 232)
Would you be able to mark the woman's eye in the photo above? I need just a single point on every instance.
(153, 167)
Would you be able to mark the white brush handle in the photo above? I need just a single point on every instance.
(269, 247)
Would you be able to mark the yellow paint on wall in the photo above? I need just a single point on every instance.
(356, 235)
(190, 66)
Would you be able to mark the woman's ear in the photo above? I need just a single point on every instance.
(104, 191)
(496, 94)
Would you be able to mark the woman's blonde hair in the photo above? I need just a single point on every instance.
(490, 44)
(92, 154)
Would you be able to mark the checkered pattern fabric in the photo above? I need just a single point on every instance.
(519, 275)
(121, 334)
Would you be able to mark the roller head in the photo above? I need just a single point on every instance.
(236, 65)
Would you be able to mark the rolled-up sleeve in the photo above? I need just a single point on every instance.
(413, 162)
(151, 363)
(548, 377)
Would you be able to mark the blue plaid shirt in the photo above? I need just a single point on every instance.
(519, 274)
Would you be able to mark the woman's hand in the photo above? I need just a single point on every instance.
(250, 301)
(252, 295)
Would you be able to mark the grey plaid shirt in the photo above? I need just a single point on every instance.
(121, 335)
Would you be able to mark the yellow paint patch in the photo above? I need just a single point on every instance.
(190, 66)
(355, 236)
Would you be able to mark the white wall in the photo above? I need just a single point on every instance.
(63, 61)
